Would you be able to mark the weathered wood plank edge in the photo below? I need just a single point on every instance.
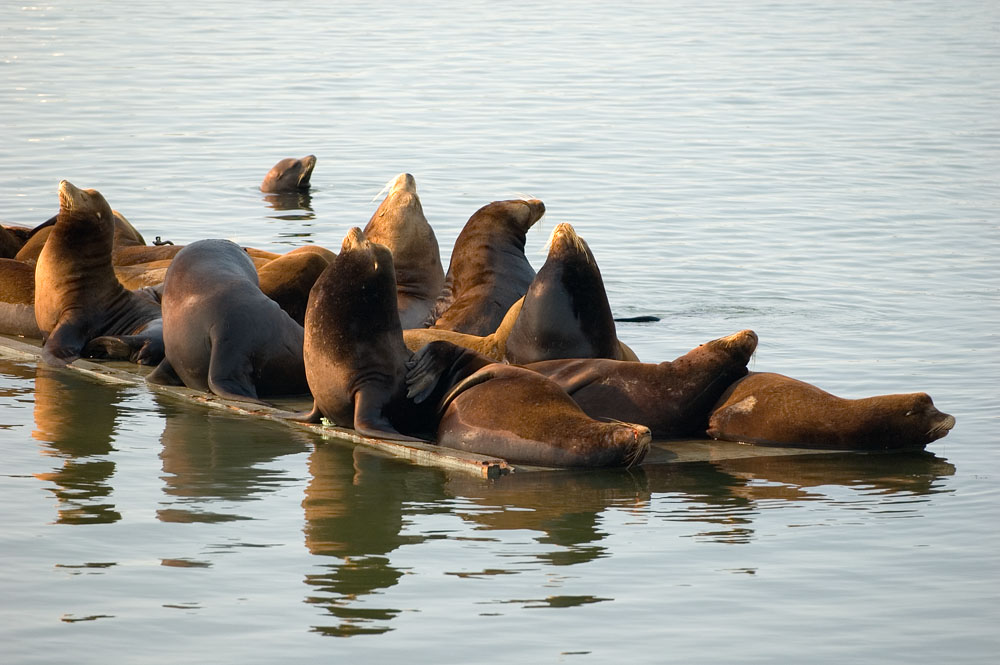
(424, 454)
(484, 466)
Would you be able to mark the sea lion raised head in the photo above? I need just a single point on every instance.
(289, 175)
(488, 271)
(400, 225)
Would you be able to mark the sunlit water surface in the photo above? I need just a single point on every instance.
(824, 173)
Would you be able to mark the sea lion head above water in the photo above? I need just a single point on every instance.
(289, 175)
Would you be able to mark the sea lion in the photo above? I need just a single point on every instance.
(515, 413)
(566, 313)
(488, 271)
(313, 249)
(354, 352)
(221, 333)
(141, 275)
(289, 175)
(400, 225)
(80, 306)
(673, 399)
(11, 242)
(17, 299)
(773, 409)
(493, 345)
(287, 280)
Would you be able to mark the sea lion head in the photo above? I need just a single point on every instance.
(740, 345)
(920, 419)
(75, 203)
(370, 273)
(289, 175)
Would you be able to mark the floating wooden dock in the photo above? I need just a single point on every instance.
(661, 452)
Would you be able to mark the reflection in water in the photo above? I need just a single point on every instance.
(77, 424)
(727, 495)
(354, 512)
(212, 458)
(298, 201)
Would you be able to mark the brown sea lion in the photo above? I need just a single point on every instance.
(514, 413)
(78, 300)
(11, 242)
(314, 249)
(289, 175)
(773, 409)
(221, 333)
(565, 312)
(494, 345)
(32, 247)
(672, 399)
(287, 280)
(17, 299)
(488, 271)
(141, 275)
(400, 225)
(354, 352)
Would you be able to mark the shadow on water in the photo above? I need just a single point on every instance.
(77, 425)
(211, 459)
(354, 511)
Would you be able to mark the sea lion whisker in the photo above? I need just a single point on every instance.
(385, 188)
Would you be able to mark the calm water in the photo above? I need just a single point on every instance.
(824, 173)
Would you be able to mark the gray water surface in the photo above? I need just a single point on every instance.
(823, 173)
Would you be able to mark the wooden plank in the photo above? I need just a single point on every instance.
(428, 454)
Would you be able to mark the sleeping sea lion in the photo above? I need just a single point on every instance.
(773, 409)
(515, 413)
(565, 312)
(80, 306)
(221, 333)
(673, 399)
(354, 353)
(400, 225)
(488, 271)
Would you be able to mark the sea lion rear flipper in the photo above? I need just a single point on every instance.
(164, 375)
(63, 345)
(140, 349)
(229, 374)
(369, 420)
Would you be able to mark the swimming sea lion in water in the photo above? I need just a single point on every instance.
(221, 333)
(773, 409)
(673, 399)
(289, 175)
(514, 413)
(17, 299)
(488, 271)
(78, 300)
(400, 225)
(354, 352)
(566, 313)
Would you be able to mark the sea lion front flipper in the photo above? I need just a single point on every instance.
(64, 344)
(164, 375)
(424, 369)
(313, 417)
(369, 420)
(139, 349)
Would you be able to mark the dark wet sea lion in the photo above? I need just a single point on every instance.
(773, 409)
(400, 225)
(566, 313)
(80, 306)
(221, 333)
(493, 345)
(673, 399)
(514, 413)
(17, 299)
(287, 280)
(488, 271)
(523, 417)
(354, 352)
(289, 175)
